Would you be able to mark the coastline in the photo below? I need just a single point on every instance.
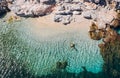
(53, 41)
(52, 37)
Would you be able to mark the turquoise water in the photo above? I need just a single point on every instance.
(38, 55)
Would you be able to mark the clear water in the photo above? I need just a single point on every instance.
(38, 55)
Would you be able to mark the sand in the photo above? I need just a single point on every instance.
(45, 26)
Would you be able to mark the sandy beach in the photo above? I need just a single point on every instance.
(45, 26)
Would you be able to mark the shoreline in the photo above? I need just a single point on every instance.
(46, 24)
(54, 39)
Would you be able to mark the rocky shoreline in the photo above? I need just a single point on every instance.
(66, 11)
(110, 46)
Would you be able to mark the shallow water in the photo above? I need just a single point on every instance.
(21, 48)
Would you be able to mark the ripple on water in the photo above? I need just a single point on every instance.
(41, 54)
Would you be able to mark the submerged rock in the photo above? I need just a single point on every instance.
(111, 55)
(61, 65)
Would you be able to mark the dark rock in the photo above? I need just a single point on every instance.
(72, 45)
(61, 65)
(58, 18)
(3, 7)
(48, 2)
(111, 55)
(93, 27)
(95, 35)
(87, 14)
(118, 6)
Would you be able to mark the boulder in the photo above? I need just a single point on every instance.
(32, 8)
(97, 1)
(65, 22)
(43, 1)
(65, 12)
(68, 1)
(47, 1)
(91, 6)
(76, 12)
(76, 7)
(66, 19)
(60, 8)
(87, 14)
(57, 18)
(61, 65)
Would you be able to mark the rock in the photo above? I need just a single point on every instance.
(65, 1)
(91, 6)
(65, 22)
(95, 33)
(97, 1)
(40, 10)
(47, 1)
(77, 1)
(111, 35)
(3, 7)
(58, 1)
(66, 12)
(101, 45)
(118, 5)
(93, 27)
(115, 23)
(61, 65)
(90, 14)
(107, 39)
(101, 24)
(32, 8)
(67, 19)
(105, 16)
(75, 7)
(87, 14)
(111, 55)
(72, 45)
(76, 13)
(94, 15)
(68, 1)
(12, 19)
(109, 19)
(60, 8)
(58, 18)
(43, 1)
(60, 13)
